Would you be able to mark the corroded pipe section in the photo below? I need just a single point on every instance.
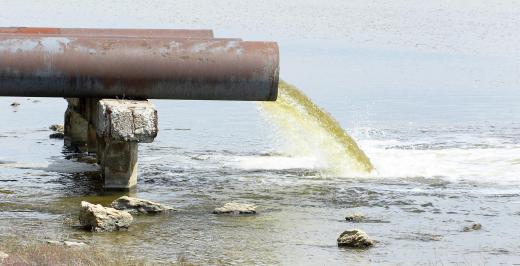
(161, 68)
(99, 32)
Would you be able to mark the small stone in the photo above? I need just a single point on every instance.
(135, 205)
(236, 208)
(57, 128)
(100, 219)
(355, 238)
(473, 227)
(58, 135)
(14, 104)
(73, 244)
(355, 217)
(3, 256)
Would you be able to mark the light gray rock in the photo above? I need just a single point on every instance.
(473, 227)
(73, 244)
(236, 208)
(355, 238)
(355, 217)
(100, 219)
(3, 256)
(135, 205)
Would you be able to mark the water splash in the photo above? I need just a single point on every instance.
(310, 131)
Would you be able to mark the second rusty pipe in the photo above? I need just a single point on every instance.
(103, 32)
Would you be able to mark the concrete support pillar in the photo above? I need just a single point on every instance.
(92, 145)
(111, 129)
(119, 164)
(75, 129)
(90, 112)
(120, 126)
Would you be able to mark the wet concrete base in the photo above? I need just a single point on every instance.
(111, 129)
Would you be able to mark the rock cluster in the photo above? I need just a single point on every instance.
(135, 205)
(355, 238)
(100, 219)
(58, 131)
(236, 208)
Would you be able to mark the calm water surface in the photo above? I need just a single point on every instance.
(442, 130)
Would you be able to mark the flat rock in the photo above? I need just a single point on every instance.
(101, 219)
(71, 244)
(236, 208)
(355, 238)
(473, 227)
(74, 244)
(135, 205)
(355, 217)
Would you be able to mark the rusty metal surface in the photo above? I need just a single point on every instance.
(100, 32)
(161, 68)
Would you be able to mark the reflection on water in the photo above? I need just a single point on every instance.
(439, 167)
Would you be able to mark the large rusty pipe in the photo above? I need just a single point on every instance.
(138, 68)
(100, 32)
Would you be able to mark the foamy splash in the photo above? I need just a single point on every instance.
(310, 132)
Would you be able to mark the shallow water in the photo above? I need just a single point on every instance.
(446, 152)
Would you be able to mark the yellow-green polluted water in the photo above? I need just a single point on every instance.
(311, 131)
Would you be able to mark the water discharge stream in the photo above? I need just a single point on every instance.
(311, 131)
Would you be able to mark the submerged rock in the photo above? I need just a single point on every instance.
(57, 135)
(135, 205)
(100, 219)
(3, 256)
(355, 217)
(355, 238)
(473, 227)
(236, 208)
(87, 159)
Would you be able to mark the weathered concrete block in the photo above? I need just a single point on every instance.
(127, 120)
